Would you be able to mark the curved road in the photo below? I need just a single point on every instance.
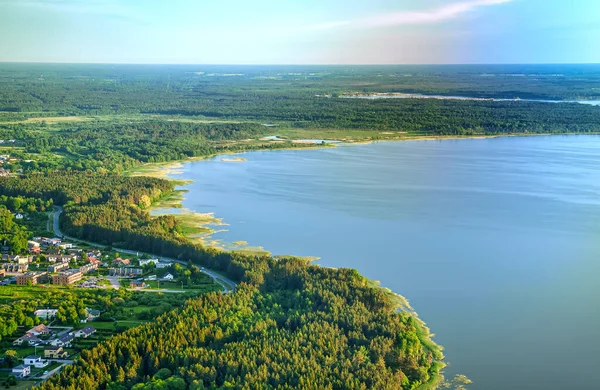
(227, 284)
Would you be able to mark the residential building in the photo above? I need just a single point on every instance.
(36, 361)
(85, 332)
(50, 241)
(121, 262)
(45, 314)
(2, 272)
(168, 276)
(13, 267)
(148, 261)
(67, 277)
(58, 267)
(62, 341)
(23, 259)
(55, 352)
(21, 371)
(92, 314)
(39, 330)
(66, 245)
(137, 283)
(61, 258)
(88, 268)
(33, 277)
(164, 264)
(28, 339)
(125, 271)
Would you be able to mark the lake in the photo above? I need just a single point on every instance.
(445, 97)
(495, 242)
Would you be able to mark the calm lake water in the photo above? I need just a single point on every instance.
(495, 242)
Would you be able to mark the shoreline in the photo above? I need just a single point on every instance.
(163, 169)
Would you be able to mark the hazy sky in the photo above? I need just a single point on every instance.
(300, 31)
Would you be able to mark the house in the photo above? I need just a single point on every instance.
(18, 216)
(39, 330)
(168, 276)
(62, 341)
(36, 361)
(164, 264)
(61, 258)
(85, 332)
(94, 253)
(148, 261)
(92, 314)
(23, 259)
(55, 352)
(151, 277)
(21, 371)
(137, 284)
(28, 339)
(121, 262)
(45, 314)
(93, 260)
(66, 245)
(33, 246)
(2, 272)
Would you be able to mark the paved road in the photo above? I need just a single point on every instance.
(227, 284)
(114, 282)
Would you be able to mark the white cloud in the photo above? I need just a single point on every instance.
(85, 7)
(434, 15)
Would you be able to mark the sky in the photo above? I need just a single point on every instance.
(300, 31)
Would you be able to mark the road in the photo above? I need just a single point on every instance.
(227, 284)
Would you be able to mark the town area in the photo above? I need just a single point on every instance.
(59, 298)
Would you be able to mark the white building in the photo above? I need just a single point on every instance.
(168, 276)
(21, 371)
(148, 261)
(46, 314)
(160, 264)
(36, 361)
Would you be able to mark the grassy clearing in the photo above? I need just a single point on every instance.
(50, 120)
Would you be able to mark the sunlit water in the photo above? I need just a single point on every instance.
(496, 242)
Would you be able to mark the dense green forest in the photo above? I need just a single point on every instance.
(304, 327)
(70, 131)
(124, 116)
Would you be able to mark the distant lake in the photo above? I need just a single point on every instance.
(444, 97)
(495, 242)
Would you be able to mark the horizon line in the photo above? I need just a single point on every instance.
(295, 64)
